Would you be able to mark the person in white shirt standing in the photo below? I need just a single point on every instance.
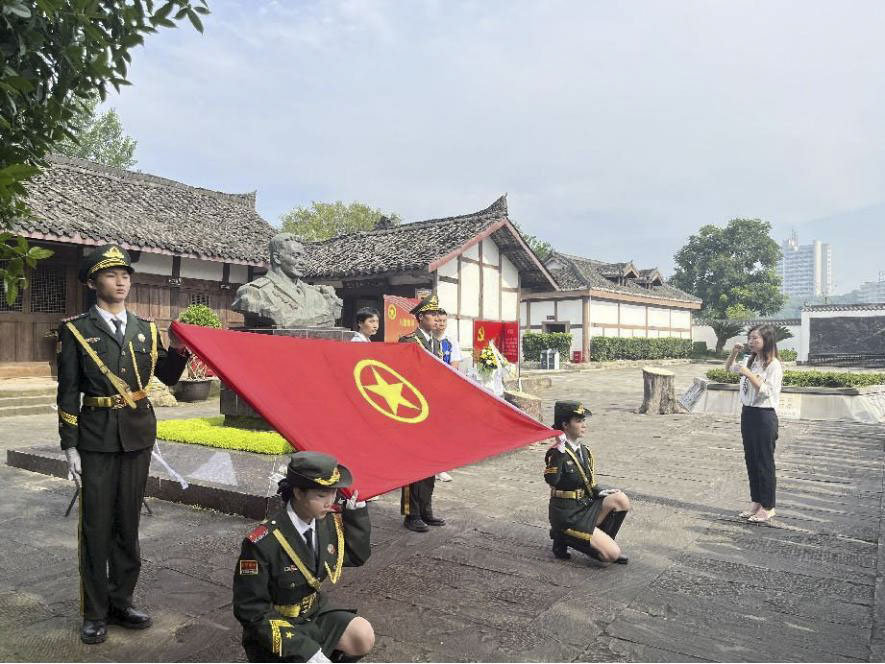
(760, 388)
(367, 322)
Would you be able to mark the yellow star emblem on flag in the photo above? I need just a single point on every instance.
(389, 392)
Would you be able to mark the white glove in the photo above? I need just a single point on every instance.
(608, 492)
(75, 467)
(352, 503)
(318, 656)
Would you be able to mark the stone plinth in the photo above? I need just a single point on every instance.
(238, 413)
(527, 403)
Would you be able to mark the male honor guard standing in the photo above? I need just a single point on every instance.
(416, 499)
(109, 355)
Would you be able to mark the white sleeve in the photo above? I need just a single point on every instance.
(456, 351)
(772, 377)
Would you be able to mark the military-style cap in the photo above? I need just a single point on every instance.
(564, 410)
(103, 258)
(429, 304)
(315, 470)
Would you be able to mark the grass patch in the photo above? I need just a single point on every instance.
(210, 431)
(810, 378)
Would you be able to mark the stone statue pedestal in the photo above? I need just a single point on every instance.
(237, 413)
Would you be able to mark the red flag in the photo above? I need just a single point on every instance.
(392, 413)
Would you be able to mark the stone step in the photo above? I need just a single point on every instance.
(26, 399)
(38, 409)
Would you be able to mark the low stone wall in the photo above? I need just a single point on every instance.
(853, 404)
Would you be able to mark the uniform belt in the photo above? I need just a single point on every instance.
(294, 610)
(116, 402)
(577, 494)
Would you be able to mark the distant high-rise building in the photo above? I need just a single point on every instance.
(872, 291)
(807, 269)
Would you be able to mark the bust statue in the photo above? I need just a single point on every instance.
(280, 298)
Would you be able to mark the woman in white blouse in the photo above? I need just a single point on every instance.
(760, 390)
(367, 322)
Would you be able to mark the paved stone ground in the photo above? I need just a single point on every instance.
(700, 585)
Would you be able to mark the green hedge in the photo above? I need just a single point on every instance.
(603, 349)
(533, 343)
(788, 355)
(210, 431)
(810, 378)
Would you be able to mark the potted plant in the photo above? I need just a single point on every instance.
(195, 387)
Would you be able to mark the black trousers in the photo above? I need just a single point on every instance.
(759, 432)
(416, 499)
(110, 507)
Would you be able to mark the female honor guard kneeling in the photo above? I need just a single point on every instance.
(284, 561)
(583, 516)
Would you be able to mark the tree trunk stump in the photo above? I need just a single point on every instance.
(659, 392)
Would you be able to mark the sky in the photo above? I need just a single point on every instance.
(617, 129)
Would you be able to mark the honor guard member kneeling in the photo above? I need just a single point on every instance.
(285, 560)
(583, 515)
(109, 356)
(417, 497)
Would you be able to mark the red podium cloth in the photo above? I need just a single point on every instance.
(391, 413)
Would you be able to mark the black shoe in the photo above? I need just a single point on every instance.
(129, 618)
(94, 631)
(415, 524)
(431, 520)
(560, 550)
(622, 560)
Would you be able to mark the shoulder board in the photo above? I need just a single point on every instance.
(258, 534)
(559, 446)
(70, 318)
(146, 319)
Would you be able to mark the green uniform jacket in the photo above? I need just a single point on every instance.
(99, 429)
(562, 473)
(272, 597)
(431, 345)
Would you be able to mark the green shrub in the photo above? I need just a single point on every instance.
(810, 378)
(533, 343)
(200, 314)
(210, 431)
(604, 349)
(788, 355)
(698, 348)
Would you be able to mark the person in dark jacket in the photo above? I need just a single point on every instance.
(109, 356)
(286, 559)
(583, 515)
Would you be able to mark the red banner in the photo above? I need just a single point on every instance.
(397, 319)
(392, 413)
(504, 334)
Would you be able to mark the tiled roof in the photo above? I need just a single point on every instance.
(418, 246)
(80, 201)
(577, 273)
(872, 306)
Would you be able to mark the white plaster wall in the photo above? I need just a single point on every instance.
(577, 340)
(540, 310)
(658, 317)
(597, 331)
(154, 264)
(448, 296)
(491, 293)
(472, 252)
(681, 319)
(705, 333)
(510, 275)
(509, 306)
(490, 252)
(570, 310)
(610, 332)
(654, 334)
(469, 289)
(449, 269)
(239, 274)
(633, 314)
(194, 268)
(523, 315)
(602, 311)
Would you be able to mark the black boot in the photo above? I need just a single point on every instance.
(560, 549)
(610, 526)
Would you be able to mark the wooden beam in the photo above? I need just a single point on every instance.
(585, 328)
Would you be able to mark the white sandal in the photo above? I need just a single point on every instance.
(769, 515)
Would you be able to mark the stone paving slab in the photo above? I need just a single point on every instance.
(701, 585)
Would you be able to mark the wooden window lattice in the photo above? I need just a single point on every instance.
(48, 287)
(199, 298)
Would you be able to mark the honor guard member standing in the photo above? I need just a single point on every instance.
(583, 515)
(416, 499)
(285, 560)
(109, 355)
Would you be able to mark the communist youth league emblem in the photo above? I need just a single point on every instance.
(389, 392)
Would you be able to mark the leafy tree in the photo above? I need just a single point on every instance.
(731, 268)
(725, 330)
(55, 55)
(782, 332)
(98, 138)
(541, 248)
(322, 221)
